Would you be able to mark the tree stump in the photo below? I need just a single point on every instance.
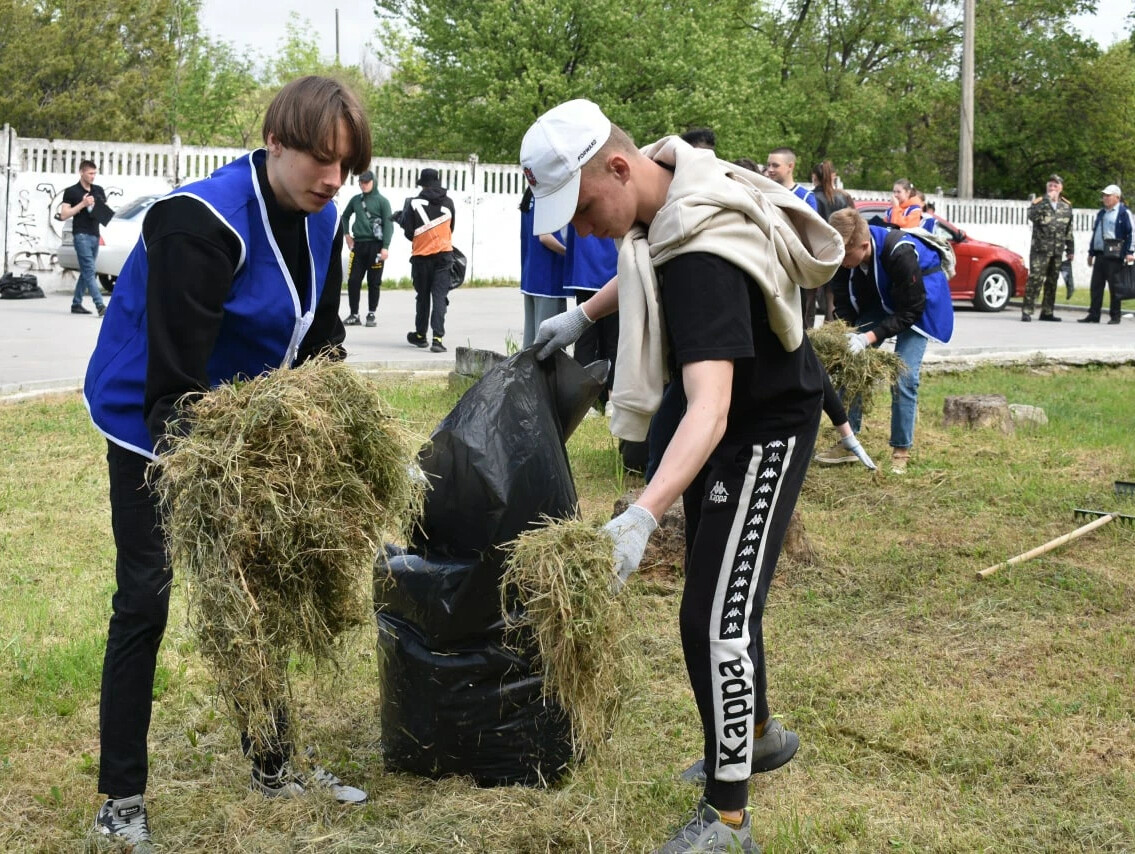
(978, 411)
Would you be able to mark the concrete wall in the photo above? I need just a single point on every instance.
(36, 171)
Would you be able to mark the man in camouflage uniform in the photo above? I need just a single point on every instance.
(1051, 218)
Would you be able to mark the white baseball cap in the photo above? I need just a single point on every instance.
(554, 149)
(1111, 190)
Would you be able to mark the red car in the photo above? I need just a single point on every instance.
(988, 275)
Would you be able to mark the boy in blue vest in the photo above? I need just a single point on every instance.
(891, 285)
(233, 276)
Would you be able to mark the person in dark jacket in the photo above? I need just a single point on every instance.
(1111, 247)
(883, 291)
(232, 276)
(428, 220)
(367, 239)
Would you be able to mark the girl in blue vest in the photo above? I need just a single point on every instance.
(891, 285)
(233, 276)
(541, 272)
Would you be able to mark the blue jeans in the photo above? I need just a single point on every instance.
(910, 347)
(87, 249)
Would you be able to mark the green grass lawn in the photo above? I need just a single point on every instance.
(937, 712)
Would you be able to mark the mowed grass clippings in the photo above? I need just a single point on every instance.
(860, 375)
(276, 501)
(561, 573)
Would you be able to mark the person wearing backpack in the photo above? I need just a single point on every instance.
(427, 221)
(892, 284)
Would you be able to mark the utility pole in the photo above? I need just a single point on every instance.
(336, 35)
(965, 141)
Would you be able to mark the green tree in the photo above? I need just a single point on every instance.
(88, 68)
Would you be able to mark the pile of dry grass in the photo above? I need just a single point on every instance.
(562, 574)
(860, 375)
(275, 504)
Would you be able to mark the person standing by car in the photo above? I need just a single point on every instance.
(367, 239)
(1111, 247)
(906, 208)
(427, 220)
(1051, 218)
(233, 276)
(79, 201)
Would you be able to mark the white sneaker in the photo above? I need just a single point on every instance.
(286, 783)
(124, 819)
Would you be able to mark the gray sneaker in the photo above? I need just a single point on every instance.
(706, 833)
(775, 748)
(287, 783)
(124, 819)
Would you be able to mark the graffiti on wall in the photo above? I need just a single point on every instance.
(38, 230)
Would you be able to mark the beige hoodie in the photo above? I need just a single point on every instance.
(716, 207)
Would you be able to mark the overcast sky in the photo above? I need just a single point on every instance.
(260, 24)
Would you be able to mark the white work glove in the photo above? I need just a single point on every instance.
(852, 444)
(856, 343)
(557, 332)
(629, 531)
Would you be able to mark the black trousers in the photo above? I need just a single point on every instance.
(432, 278)
(364, 259)
(140, 609)
(737, 515)
(599, 341)
(1105, 270)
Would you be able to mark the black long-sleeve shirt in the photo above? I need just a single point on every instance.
(192, 257)
(908, 293)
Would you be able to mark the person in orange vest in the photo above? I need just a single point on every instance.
(906, 209)
(427, 220)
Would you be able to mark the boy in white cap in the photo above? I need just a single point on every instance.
(708, 259)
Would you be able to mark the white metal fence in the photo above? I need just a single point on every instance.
(485, 195)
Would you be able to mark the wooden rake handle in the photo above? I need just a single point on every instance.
(1050, 545)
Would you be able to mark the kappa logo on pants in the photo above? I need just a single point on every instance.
(719, 494)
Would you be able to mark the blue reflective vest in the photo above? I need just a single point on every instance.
(590, 261)
(937, 320)
(541, 269)
(263, 322)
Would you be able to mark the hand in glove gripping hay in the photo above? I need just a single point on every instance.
(629, 531)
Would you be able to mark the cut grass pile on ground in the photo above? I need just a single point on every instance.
(936, 713)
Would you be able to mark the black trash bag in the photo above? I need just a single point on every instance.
(497, 462)
(457, 271)
(20, 287)
(442, 598)
(475, 710)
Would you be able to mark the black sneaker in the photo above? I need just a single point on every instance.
(101, 310)
(1051, 318)
(706, 833)
(370, 319)
(124, 819)
(287, 783)
(438, 347)
(774, 748)
(417, 339)
(1088, 320)
(79, 309)
(352, 320)
(1026, 317)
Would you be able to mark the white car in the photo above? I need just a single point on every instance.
(116, 240)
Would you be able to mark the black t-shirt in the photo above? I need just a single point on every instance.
(714, 311)
(84, 220)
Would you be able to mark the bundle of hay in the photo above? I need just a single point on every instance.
(275, 503)
(859, 375)
(561, 574)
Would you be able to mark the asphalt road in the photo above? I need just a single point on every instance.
(43, 346)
